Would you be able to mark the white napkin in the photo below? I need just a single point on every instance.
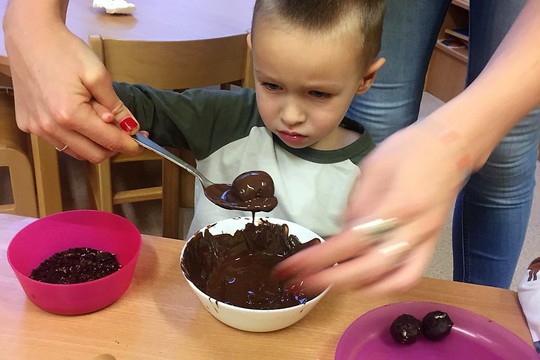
(115, 6)
(529, 298)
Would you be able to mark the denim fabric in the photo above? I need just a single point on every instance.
(409, 35)
(493, 210)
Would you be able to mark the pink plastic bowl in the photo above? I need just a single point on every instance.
(79, 228)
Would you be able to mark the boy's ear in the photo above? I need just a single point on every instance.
(370, 74)
(248, 39)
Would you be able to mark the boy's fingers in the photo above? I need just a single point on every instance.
(123, 117)
(104, 94)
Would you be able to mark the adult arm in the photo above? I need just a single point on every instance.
(55, 76)
(416, 174)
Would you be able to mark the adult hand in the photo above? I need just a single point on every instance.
(412, 177)
(55, 76)
(415, 175)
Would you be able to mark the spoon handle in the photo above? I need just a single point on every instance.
(152, 146)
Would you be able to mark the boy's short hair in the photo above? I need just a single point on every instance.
(365, 17)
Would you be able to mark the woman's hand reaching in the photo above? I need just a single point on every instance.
(412, 179)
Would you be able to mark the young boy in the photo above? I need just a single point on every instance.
(309, 58)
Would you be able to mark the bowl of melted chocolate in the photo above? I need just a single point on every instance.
(229, 267)
(75, 262)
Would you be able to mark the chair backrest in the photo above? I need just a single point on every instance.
(15, 158)
(177, 64)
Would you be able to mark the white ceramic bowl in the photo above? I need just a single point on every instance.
(252, 319)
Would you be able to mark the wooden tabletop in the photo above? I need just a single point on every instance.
(159, 317)
(156, 20)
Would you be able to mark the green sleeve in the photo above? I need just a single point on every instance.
(201, 120)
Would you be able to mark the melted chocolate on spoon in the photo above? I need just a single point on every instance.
(237, 269)
(251, 191)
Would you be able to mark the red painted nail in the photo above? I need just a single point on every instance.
(280, 272)
(128, 124)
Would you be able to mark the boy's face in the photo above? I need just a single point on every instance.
(305, 82)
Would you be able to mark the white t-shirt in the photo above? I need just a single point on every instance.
(227, 136)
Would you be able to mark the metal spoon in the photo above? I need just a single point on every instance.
(224, 195)
(152, 146)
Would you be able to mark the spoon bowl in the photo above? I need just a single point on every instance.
(250, 191)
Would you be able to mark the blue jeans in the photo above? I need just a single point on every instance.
(492, 212)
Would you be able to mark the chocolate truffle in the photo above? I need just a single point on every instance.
(405, 329)
(436, 325)
(252, 185)
(251, 191)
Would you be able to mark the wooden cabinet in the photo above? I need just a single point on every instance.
(447, 69)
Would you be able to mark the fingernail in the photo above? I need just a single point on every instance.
(281, 272)
(128, 124)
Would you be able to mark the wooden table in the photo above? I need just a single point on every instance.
(159, 317)
(153, 20)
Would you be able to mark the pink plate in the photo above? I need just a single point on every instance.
(472, 337)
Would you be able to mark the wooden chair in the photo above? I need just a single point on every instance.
(14, 150)
(174, 65)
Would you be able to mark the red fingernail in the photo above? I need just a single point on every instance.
(128, 124)
(278, 275)
(281, 273)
